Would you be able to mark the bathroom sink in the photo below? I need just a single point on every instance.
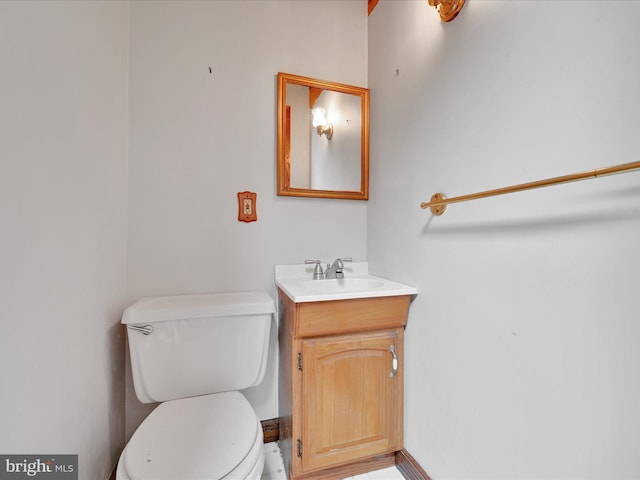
(341, 285)
(297, 283)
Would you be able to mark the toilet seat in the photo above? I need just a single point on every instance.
(214, 436)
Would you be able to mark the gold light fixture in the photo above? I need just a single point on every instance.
(320, 122)
(448, 9)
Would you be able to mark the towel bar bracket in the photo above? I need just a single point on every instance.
(438, 210)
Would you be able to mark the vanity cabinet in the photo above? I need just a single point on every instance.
(341, 384)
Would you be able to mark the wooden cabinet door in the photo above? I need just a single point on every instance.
(351, 397)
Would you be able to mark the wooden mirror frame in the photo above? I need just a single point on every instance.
(284, 187)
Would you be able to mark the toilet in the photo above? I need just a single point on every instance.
(193, 353)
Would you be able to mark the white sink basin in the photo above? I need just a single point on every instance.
(341, 285)
(297, 283)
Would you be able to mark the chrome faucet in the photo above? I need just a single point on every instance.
(335, 270)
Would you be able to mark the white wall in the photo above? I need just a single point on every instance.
(522, 347)
(63, 160)
(196, 139)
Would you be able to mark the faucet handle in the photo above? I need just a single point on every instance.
(318, 274)
(339, 262)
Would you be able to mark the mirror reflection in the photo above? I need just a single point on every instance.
(323, 138)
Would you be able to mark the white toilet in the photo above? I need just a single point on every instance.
(193, 353)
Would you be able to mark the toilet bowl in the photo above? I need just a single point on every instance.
(193, 353)
(214, 436)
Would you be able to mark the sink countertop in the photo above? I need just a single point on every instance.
(296, 281)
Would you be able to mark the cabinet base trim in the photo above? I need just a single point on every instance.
(351, 469)
(409, 467)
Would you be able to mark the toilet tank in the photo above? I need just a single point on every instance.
(187, 345)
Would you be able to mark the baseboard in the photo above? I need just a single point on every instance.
(271, 430)
(409, 467)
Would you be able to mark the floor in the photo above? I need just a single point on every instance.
(274, 468)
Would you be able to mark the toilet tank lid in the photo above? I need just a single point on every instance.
(181, 307)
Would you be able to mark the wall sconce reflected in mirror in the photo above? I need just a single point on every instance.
(448, 9)
(320, 122)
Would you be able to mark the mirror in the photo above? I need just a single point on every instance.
(323, 139)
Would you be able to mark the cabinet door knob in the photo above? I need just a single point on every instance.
(394, 362)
